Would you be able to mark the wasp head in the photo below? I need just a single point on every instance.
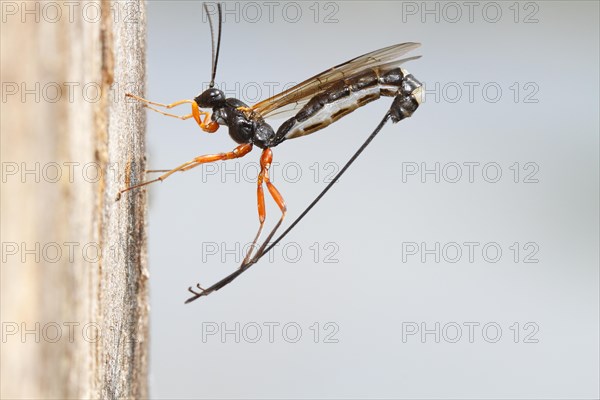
(211, 98)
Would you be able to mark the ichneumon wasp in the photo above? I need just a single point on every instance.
(317, 101)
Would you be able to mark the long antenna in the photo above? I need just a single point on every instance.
(228, 279)
(215, 51)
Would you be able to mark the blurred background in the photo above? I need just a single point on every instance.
(457, 258)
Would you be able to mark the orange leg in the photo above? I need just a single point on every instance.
(202, 117)
(238, 152)
(263, 177)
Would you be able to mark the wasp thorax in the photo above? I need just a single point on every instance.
(210, 98)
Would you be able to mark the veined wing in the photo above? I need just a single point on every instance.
(295, 97)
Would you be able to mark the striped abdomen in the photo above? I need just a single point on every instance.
(346, 96)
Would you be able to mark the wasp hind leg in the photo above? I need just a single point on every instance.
(263, 178)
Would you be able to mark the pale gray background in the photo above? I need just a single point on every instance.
(370, 293)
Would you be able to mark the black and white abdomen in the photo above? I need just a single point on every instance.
(349, 94)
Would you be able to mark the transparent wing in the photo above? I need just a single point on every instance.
(295, 97)
(288, 110)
